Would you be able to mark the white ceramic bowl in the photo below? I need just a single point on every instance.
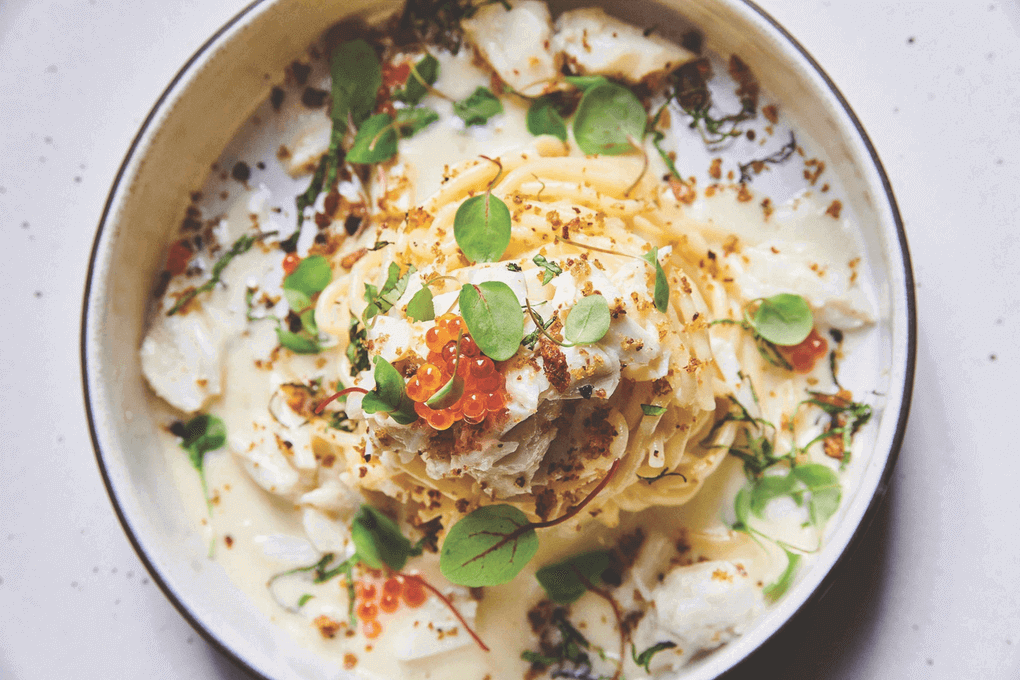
(198, 115)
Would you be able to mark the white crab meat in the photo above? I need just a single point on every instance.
(516, 42)
(306, 146)
(327, 534)
(595, 43)
(433, 629)
(279, 459)
(698, 607)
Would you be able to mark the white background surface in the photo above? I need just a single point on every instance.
(933, 592)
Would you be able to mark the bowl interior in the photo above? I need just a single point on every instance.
(196, 118)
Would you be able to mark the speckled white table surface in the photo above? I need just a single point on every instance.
(933, 591)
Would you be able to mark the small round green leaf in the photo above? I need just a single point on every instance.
(545, 119)
(310, 276)
(482, 228)
(588, 321)
(421, 306)
(607, 118)
(489, 547)
(375, 142)
(494, 318)
(783, 319)
(378, 540)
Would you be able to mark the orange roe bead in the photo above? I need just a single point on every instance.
(436, 338)
(291, 262)
(389, 603)
(368, 610)
(440, 420)
(366, 591)
(490, 384)
(468, 347)
(414, 593)
(495, 401)
(372, 629)
(416, 391)
(474, 406)
(393, 586)
(436, 359)
(803, 356)
(430, 377)
(422, 410)
(481, 367)
(450, 352)
(452, 324)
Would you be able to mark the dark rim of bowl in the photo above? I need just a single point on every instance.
(838, 564)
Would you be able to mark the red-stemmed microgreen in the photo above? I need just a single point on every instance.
(482, 224)
(376, 140)
(494, 318)
(491, 545)
(419, 83)
(660, 291)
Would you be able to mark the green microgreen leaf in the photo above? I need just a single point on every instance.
(375, 142)
(382, 300)
(645, 658)
(389, 395)
(311, 276)
(494, 318)
(552, 269)
(412, 121)
(564, 581)
(299, 344)
(489, 547)
(324, 177)
(357, 347)
(774, 591)
(608, 120)
(378, 540)
(825, 489)
(768, 488)
(531, 339)
(202, 434)
(544, 119)
(357, 77)
(513, 267)
(587, 321)
(479, 107)
(303, 600)
(585, 82)
(482, 228)
(414, 90)
(783, 319)
(742, 509)
(421, 306)
(661, 294)
(652, 409)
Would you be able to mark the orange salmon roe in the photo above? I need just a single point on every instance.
(368, 610)
(484, 386)
(372, 628)
(803, 356)
(414, 593)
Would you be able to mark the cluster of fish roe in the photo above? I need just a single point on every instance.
(387, 597)
(484, 387)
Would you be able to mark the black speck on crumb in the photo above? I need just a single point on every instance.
(241, 172)
(351, 224)
(300, 72)
(991, 357)
(910, 40)
(177, 429)
(586, 391)
(313, 97)
(260, 165)
(692, 41)
(276, 97)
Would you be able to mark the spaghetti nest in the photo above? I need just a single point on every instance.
(645, 394)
